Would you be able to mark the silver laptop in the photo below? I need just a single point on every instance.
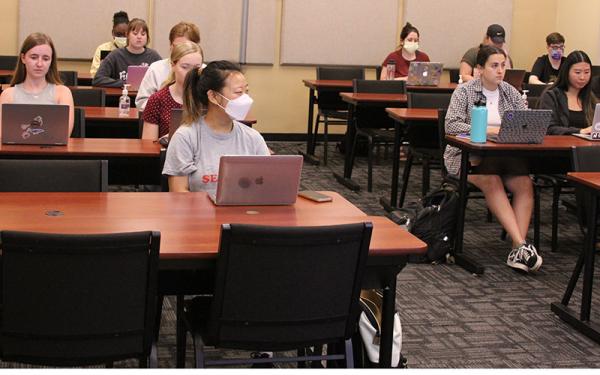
(595, 134)
(424, 73)
(35, 124)
(258, 180)
(135, 75)
(523, 126)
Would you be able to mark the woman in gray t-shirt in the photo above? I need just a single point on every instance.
(214, 100)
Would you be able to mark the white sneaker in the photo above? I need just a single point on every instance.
(525, 258)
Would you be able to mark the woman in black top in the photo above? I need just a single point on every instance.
(571, 98)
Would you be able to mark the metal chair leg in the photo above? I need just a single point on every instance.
(536, 216)
(370, 166)
(405, 177)
(556, 190)
(325, 140)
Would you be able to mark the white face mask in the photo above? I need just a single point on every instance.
(120, 41)
(239, 107)
(411, 47)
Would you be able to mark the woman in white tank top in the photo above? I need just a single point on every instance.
(36, 79)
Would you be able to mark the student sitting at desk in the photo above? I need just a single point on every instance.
(494, 36)
(36, 79)
(214, 102)
(570, 98)
(119, 33)
(546, 67)
(407, 51)
(157, 116)
(514, 174)
(159, 70)
(113, 69)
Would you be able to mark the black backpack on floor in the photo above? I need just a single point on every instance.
(433, 220)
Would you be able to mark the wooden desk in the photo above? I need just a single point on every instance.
(401, 117)
(109, 114)
(366, 100)
(190, 228)
(556, 148)
(590, 183)
(130, 161)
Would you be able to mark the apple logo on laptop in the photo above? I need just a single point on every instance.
(259, 180)
(425, 73)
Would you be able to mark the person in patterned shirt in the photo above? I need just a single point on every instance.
(493, 176)
(157, 115)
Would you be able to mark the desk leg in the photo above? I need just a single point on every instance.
(459, 258)
(387, 322)
(585, 261)
(346, 179)
(309, 155)
(393, 203)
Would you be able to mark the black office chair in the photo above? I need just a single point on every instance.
(53, 175)
(378, 70)
(8, 62)
(140, 124)
(279, 289)
(68, 77)
(92, 97)
(331, 109)
(453, 75)
(423, 139)
(373, 123)
(78, 123)
(73, 300)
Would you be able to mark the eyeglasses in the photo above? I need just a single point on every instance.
(557, 46)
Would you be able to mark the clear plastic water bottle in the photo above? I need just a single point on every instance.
(479, 116)
(124, 102)
(524, 98)
(391, 70)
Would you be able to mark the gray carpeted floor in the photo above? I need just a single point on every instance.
(450, 318)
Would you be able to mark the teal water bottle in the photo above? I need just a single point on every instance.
(479, 122)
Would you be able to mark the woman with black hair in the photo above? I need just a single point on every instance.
(571, 98)
(215, 99)
(119, 33)
(406, 53)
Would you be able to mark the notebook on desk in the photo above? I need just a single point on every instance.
(35, 124)
(424, 73)
(135, 75)
(595, 133)
(258, 180)
(523, 126)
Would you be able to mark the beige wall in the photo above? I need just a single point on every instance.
(281, 99)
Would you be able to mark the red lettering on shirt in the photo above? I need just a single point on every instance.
(210, 178)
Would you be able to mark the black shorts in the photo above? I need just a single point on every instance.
(502, 165)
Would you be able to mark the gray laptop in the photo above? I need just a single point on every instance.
(523, 126)
(258, 180)
(595, 134)
(424, 73)
(35, 124)
(135, 75)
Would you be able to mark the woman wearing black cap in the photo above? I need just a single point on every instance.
(494, 36)
(119, 33)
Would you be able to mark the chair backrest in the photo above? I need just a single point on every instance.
(281, 288)
(595, 70)
(428, 100)
(71, 300)
(369, 117)
(535, 90)
(330, 100)
(53, 175)
(379, 87)
(140, 124)
(584, 159)
(69, 77)
(453, 75)
(378, 70)
(78, 123)
(8, 62)
(93, 97)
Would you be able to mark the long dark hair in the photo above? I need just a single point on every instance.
(586, 96)
(197, 84)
